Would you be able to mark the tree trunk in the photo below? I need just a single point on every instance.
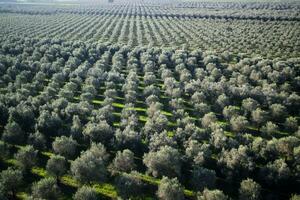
(57, 180)
(13, 193)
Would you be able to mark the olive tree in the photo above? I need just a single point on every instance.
(156, 123)
(37, 140)
(238, 123)
(295, 197)
(4, 113)
(218, 139)
(196, 151)
(203, 178)
(259, 116)
(249, 105)
(237, 162)
(128, 138)
(129, 186)
(49, 123)
(11, 179)
(26, 157)
(13, 133)
(164, 162)
(91, 165)
(275, 172)
(278, 111)
(208, 119)
(3, 194)
(3, 150)
(98, 132)
(212, 195)
(249, 190)
(286, 145)
(46, 189)
(123, 162)
(170, 189)
(57, 166)
(76, 128)
(158, 140)
(65, 146)
(291, 124)
(23, 115)
(85, 193)
(223, 101)
(230, 112)
(269, 128)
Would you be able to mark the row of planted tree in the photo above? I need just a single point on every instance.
(217, 124)
(127, 25)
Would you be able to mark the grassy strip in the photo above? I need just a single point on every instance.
(143, 118)
(106, 189)
(22, 195)
(229, 134)
(47, 153)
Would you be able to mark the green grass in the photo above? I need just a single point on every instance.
(96, 101)
(229, 134)
(143, 118)
(222, 123)
(172, 124)
(69, 181)
(39, 171)
(148, 179)
(22, 195)
(167, 113)
(117, 114)
(47, 153)
(282, 133)
(120, 98)
(170, 133)
(106, 189)
(252, 128)
(11, 161)
(118, 105)
(189, 193)
(214, 156)
(76, 98)
(116, 124)
(138, 109)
